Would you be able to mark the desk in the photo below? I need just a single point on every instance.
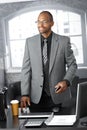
(14, 122)
(56, 128)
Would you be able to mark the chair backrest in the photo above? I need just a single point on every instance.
(14, 91)
(82, 73)
(16, 88)
(74, 86)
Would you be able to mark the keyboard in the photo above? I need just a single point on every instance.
(33, 123)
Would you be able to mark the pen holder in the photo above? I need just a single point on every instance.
(2, 104)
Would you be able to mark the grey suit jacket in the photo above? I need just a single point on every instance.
(61, 57)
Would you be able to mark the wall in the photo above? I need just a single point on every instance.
(12, 77)
(1, 57)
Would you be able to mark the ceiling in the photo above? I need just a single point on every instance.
(14, 5)
(11, 1)
(8, 8)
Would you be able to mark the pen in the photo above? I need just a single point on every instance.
(56, 89)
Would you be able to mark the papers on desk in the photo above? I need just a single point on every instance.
(61, 120)
(35, 115)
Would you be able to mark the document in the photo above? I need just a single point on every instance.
(61, 120)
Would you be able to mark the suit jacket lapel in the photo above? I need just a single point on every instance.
(39, 55)
(53, 52)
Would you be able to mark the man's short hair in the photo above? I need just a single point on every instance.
(47, 12)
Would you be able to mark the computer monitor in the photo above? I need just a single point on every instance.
(81, 101)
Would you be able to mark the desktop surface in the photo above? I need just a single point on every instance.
(16, 123)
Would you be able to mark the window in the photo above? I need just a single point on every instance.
(23, 26)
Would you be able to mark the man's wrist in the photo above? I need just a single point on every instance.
(67, 82)
(24, 95)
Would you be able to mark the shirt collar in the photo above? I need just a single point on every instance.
(49, 37)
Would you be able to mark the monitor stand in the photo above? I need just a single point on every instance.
(83, 121)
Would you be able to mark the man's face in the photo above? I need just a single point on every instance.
(44, 23)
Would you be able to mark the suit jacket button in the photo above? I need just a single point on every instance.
(41, 86)
(42, 75)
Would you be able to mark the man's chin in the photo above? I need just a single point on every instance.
(41, 32)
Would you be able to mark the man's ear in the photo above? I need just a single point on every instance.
(52, 24)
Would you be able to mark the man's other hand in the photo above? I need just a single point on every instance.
(60, 87)
(25, 101)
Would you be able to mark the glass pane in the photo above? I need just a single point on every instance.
(62, 18)
(17, 52)
(75, 28)
(74, 16)
(14, 28)
(77, 48)
(75, 23)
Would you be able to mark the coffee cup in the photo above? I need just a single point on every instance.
(15, 107)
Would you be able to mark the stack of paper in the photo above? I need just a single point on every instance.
(61, 120)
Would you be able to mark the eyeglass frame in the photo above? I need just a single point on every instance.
(42, 22)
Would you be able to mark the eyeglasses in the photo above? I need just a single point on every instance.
(42, 22)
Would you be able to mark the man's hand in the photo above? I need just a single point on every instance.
(60, 87)
(25, 100)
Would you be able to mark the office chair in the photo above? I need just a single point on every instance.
(82, 73)
(74, 86)
(14, 92)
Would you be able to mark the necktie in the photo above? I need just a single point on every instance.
(46, 68)
(45, 52)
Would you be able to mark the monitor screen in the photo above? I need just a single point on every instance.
(81, 102)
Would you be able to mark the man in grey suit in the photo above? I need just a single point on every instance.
(47, 85)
